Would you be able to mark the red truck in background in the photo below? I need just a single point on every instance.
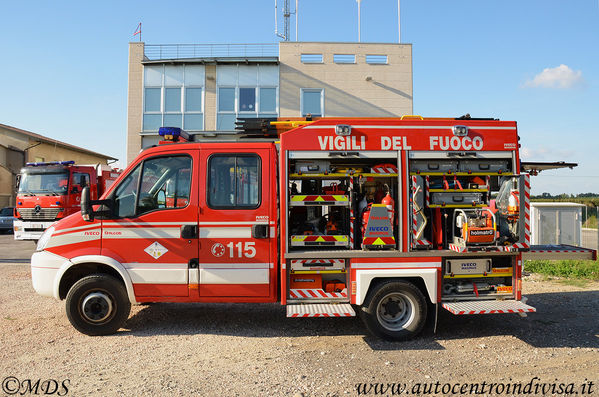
(49, 191)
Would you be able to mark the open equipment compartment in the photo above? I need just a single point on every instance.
(328, 199)
(468, 202)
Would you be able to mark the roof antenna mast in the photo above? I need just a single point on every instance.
(285, 35)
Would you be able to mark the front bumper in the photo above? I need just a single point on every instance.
(26, 230)
(44, 268)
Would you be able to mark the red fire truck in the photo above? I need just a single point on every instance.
(49, 191)
(392, 219)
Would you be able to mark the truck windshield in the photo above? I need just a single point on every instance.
(46, 183)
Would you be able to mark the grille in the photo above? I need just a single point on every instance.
(45, 214)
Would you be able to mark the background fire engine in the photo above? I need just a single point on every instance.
(50, 191)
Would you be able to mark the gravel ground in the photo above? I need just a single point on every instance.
(254, 350)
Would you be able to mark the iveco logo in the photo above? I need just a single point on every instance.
(37, 209)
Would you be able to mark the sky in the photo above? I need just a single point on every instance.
(63, 64)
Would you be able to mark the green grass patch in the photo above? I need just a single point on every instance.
(575, 282)
(572, 269)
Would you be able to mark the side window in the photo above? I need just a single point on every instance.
(125, 195)
(80, 180)
(234, 181)
(165, 182)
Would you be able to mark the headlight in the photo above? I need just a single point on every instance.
(45, 237)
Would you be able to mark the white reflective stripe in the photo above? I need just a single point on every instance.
(225, 232)
(236, 265)
(235, 223)
(234, 276)
(146, 232)
(118, 224)
(158, 276)
(72, 229)
(409, 127)
(72, 238)
(137, 265)
(396, 265)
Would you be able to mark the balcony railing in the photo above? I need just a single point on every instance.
(184, 51)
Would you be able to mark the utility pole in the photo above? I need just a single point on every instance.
(359, 25)
(398, 23)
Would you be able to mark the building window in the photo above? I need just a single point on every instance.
(311, 58)
(344, 58)
(312, 102)
(172, 107)
(376, 59)
(246, 91)
(247, 99)
(234, 181)
(193, 119)
(173, 97)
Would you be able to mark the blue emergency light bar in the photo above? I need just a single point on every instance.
(173, 134)
(70, 162)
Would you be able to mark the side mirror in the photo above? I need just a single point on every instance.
(87, 212)
(161, 199)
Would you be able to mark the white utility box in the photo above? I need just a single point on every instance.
(556, 223)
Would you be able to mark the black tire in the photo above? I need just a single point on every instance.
(98, 305)
(394, 310)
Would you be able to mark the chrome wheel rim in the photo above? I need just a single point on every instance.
(395, 311)
(97, 307)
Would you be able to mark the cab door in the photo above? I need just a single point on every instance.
(153, 230)
(236, 222)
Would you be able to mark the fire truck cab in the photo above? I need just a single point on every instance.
(388, 218)
(49, 191)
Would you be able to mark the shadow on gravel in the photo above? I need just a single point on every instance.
(566, 319)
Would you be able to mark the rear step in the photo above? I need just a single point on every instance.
(321, 310)
(488, 307)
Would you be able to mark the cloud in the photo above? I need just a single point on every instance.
(559, 77)
(544, 153)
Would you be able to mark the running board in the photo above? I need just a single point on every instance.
(488, 307)
(321, 310)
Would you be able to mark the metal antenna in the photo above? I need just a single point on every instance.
(286, 14)
(359, 21)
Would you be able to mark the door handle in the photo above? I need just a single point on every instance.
(189, 231)
(259, 231)
(193, 263)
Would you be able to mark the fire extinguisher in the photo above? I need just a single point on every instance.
(388, 202)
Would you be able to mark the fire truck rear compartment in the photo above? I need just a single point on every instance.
(478, 278)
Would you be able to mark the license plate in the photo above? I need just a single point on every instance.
(37, 225)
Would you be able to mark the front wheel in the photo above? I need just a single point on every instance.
(98, 305)
(395, 310)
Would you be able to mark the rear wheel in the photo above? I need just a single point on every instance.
(98, 305)
(395, 310)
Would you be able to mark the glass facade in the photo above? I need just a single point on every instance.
(246, 91)
(173, 97)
